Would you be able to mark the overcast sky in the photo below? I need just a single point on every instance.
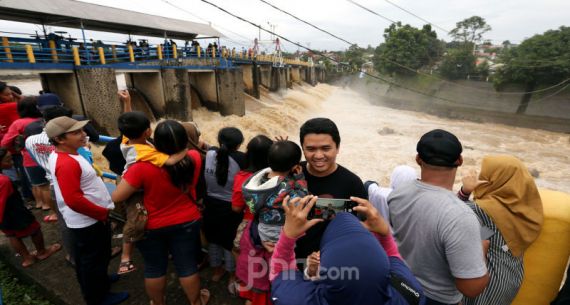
(512, 20)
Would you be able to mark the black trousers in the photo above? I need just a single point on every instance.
(92, 250)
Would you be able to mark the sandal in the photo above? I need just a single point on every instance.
(126, 267)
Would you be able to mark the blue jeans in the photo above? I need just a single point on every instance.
(182, 241)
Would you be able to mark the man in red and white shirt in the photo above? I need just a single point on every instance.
(84, 204)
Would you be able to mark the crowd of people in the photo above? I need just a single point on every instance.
(416, 241)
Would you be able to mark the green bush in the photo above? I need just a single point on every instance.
(16, 292)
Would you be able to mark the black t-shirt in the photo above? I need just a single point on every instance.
(341, 184)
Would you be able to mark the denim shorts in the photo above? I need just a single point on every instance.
(36, 175)
(182, 241)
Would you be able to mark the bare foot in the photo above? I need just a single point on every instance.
(204, 296)
(47, 252)
(27, 262)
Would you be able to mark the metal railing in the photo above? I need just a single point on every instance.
(33, 51)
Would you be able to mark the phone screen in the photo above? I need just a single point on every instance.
(327, 208)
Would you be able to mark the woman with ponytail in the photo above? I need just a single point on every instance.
(173, 220)
(220, 222)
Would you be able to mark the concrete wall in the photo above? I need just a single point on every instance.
(288, 77)
(205, 85)
(176, 86)
(65, 86)
(150, 86)
(303, 73)
(98, 90)
(230, 90)
(251, 79)
(278, 79)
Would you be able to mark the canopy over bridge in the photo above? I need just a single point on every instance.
(76, 14)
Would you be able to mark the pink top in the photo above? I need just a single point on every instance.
(283, 258)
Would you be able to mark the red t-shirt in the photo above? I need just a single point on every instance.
(8, 114)
(237, 194)
(166, 204)
(15, 130)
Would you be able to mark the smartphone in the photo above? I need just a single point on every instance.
(486, 232)
(326, 208)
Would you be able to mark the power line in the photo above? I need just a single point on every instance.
(371, 11)
(401, 65)
(207, 21)
(338, 62)
(422, 19)
(305, 22)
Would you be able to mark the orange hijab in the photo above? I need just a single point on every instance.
(510, 197)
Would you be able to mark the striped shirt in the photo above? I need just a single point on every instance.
(505, 270)
(40, 148)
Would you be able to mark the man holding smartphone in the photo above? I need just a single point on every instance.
(320, 141)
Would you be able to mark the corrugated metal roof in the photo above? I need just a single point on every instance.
(69, 13)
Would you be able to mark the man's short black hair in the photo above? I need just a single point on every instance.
(133, 124)
(320, 126)
(283, 155)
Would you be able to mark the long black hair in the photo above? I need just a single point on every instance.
(229, 138)
(257, 153)
(170, 138)
(28, 107)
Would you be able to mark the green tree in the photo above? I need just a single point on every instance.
(470, 30)
(457, 64)
(407, 46)
(354, 56)
(541, 60)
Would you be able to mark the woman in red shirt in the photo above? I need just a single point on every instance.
(173, 225)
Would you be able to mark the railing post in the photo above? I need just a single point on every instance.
(53, 51)
(114, 52)
(199, 50)
(101, 55)
(76, 58)
(30, 52)
(174, 51)
(159, 51)
(6, 45)
(131, 53)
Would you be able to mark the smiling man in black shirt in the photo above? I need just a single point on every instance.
(320, 141)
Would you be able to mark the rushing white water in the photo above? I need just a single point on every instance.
(373, 154)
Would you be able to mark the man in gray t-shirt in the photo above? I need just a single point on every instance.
(438, 236)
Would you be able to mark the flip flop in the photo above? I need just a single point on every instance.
(49, 251)
(126, 267)
(50, 218)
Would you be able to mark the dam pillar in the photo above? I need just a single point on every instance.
(303, 74)
(230, 91)
(278, 79)
(149, 86)
(65, 86)
(288, 78)
(310, 76)
(251, 80)
(177, 99)
(101, 104)
(265, 76)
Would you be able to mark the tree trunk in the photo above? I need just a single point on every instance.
(525, 100)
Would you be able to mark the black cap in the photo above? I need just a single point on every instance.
(440, 148)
